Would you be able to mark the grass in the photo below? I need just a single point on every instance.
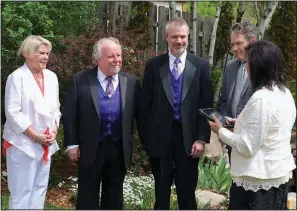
(4, 204)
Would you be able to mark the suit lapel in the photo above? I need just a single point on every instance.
(94, 86)
(246, 85)
(166, 81)
(189, 73)
(232, 77)
(123, 90)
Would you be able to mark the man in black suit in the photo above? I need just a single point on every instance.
(173, 134)
(98, 126)
(236, 87)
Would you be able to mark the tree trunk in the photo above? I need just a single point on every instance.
(213, 34)
(266, 17)
(256, 9)
(193, 27)
(113, 15)
(240, 11)
(102, 15)
(172, 8)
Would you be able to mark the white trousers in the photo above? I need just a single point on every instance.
(27, 180)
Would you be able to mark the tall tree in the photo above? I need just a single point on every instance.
(240, 11)
(172, 8)
(112, 16)
(282, 31)
(207, 8)
(140, 20)
(193, 26)
(213, 34)
(266, 17)
(223, 32)
(222, 45)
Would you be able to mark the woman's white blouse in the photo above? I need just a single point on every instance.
(261, 153)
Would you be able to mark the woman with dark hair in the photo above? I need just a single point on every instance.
(261, 161)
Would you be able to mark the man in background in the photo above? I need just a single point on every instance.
(236, 87)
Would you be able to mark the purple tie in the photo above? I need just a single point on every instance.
(109, 87)
(175, 71)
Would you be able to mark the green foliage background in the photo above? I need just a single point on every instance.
(223, 32)
(282, 31)
(52, 20)
(207, 8)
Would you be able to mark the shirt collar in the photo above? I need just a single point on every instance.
(101, 77)
(182, 57)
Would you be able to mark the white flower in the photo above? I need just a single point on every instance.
(60, 184)
(4, 173)
(74, 179)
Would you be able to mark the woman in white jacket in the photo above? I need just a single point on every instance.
(261, 161)
(32, 110)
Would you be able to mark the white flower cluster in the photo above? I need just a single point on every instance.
(136, 187)
(4, 173)
(73, 185)
(74, 179)
(61, 184)
(71, 180)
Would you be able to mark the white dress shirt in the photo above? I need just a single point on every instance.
(261, 152)
(181, 65)
(103, 82)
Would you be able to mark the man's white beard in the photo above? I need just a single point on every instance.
(115, 70)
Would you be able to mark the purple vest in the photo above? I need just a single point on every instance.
(176, 86)
(110, 114)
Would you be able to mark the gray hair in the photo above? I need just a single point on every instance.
(249, 30)
(176, 22)
(31, 44)
(98, 46)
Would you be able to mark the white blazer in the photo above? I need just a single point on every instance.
(25, 106)
(261, 138)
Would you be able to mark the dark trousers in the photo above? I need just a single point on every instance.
(109, 168)
(177, 165)
(273, 199)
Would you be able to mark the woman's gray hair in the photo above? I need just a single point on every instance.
(176, 22)
(98, 46)
(31, 44)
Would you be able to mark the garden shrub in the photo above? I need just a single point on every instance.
(214, 176)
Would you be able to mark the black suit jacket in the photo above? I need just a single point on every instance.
(82, 114)
(156, 104)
